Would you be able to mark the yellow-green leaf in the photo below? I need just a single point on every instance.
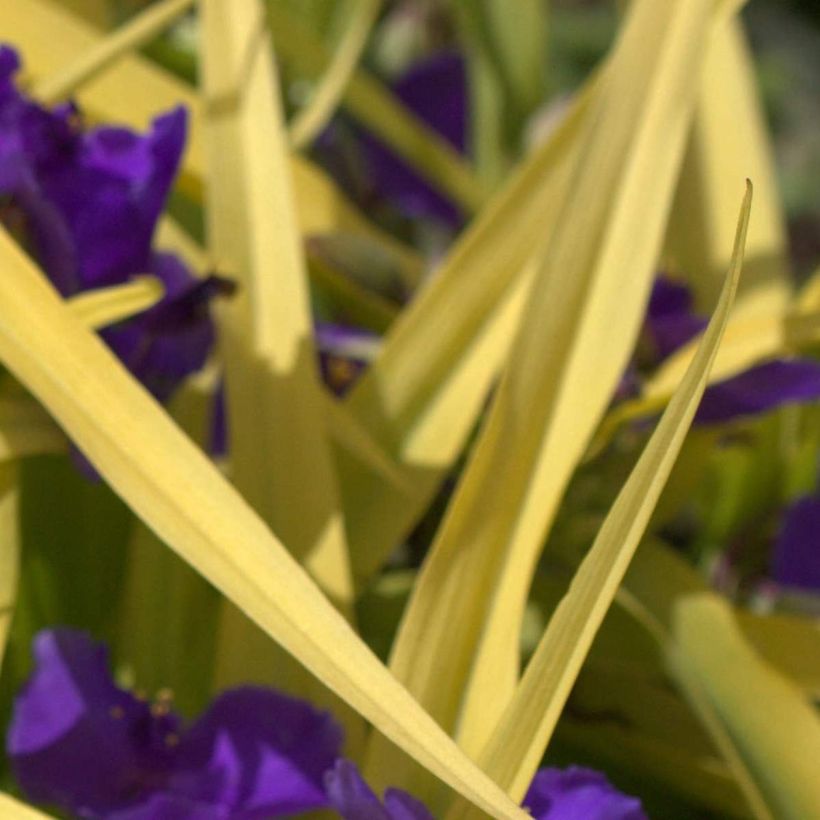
(14, 809)
(181, 495)
(136, 32)
(310, 120)
(728, 141)
(421, 396)
(107, 306)
(458, 645)
(517, 744)
(774, 726)
(9, 550)
(280, 458)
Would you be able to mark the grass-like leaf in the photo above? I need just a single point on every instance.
(422, 395)
(136, 32)
(317, 112)
(457, 648)
(14, 809)
(768, 717)
(9, 550)
(516, 746)
(728, 141)
(107, 306)
(173, 487)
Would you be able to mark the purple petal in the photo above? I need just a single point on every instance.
(670, 321)
(351, 796)
(762, 387)
(578, 794)
(796, 561)
(401, 806)
(258, 752)
(344, 353)
(111, 191)
(436, 91)
(171, 807)
(172, 340)
(76, 739)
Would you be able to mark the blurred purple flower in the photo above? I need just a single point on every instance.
(354, 799)
(575, 793)
(796, 559)
(85, 203)
(78, 741)
(344, 353)
(435, 90)
(555, 794)
(671, 322)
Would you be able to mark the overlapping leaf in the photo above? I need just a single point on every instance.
(171, 485)
(457, 648)
(517, 744)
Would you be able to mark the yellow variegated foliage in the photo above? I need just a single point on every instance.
(457, 648)
(517, 744)
(774, 726)
(16, 810)
(107, 306)
(169, 483)
(9, 549)
(327, 95)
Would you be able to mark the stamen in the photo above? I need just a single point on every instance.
(116, 712)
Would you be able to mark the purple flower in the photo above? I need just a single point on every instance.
(435, 90)
(344, 353)
(571, 794)
(671, 323)
(85, 203)
(78, 741)
(760, 388)
(796, 560)
(354, 799)
(578, 794)
(670, 320)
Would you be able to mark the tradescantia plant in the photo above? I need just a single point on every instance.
(355, 423)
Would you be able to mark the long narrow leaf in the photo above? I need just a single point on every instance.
(517, 745)
(317, 112)
(421, 396)
(774, 726)
(138, 31)
(172, 486)
(9, 550)
(457, 649)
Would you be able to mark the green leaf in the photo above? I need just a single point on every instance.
(9, 550)
(773, 725)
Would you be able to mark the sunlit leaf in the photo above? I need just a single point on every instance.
(14, 809)
(728, 142)
(9, 550)
(517, 744)
(422, 395)
(774, 726)
(107, 306)
(458, 645)
(172, 486)
(139, 30)
(319, 109)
